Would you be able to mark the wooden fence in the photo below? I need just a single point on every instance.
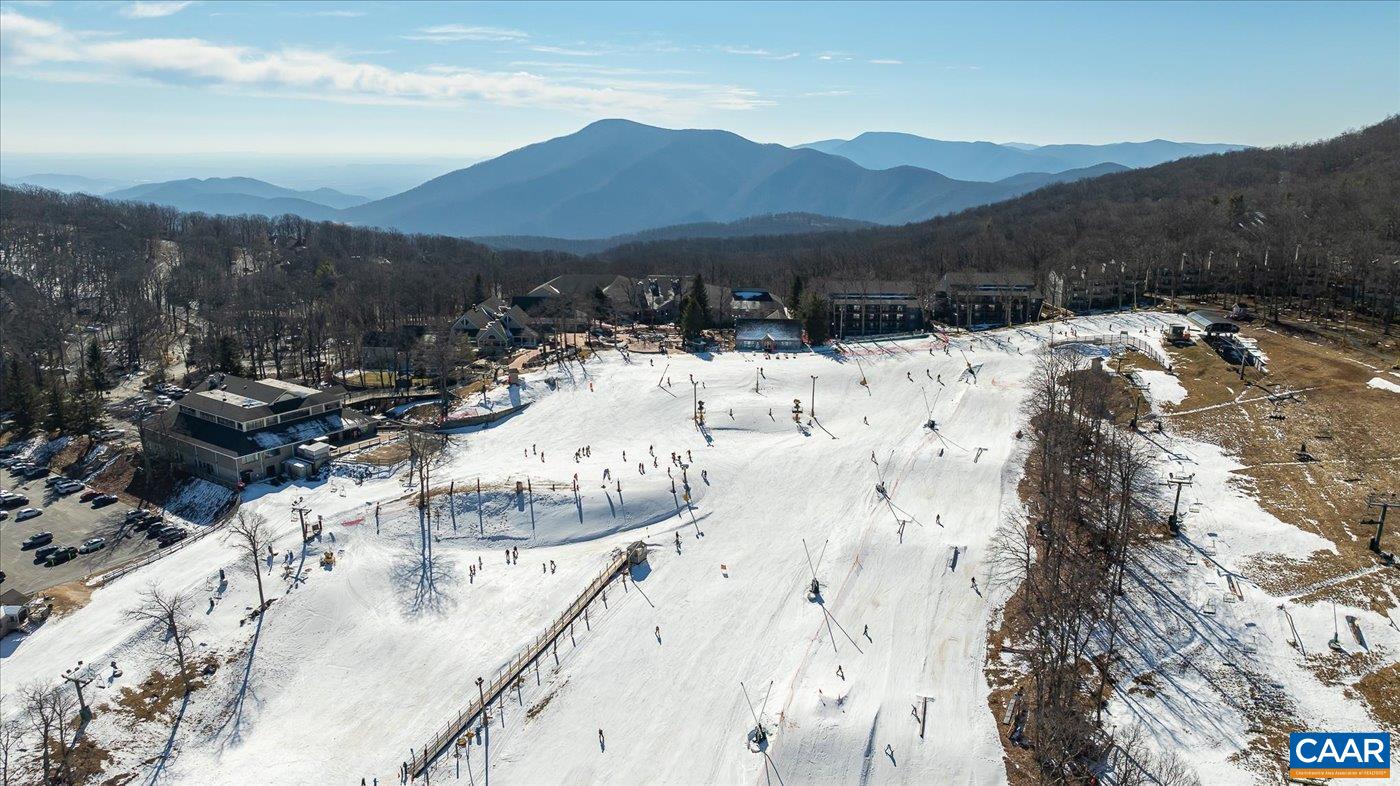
(506, 675)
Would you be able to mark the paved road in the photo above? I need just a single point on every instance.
(71, 522)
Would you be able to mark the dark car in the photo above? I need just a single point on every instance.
(37, 539)
(134, 513)
(172, 537)
(103, 500)
(62, 555)
(154, 530)
(150, 522)
(42, 553)
(89, 495)
(14, 500)
(36, 473)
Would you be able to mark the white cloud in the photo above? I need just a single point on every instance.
(886, 61)
(760, 53)
(564, 51)
(441, 34)
(36, 45)
(150, 9)
(343, 13)
(833, 56)
(826, 93)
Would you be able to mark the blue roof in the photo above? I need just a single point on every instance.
(752, 294)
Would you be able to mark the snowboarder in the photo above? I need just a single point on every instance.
(840, 673)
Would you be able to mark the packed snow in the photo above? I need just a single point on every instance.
(1381, 383)
(356, 665)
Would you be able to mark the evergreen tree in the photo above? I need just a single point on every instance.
(692, 319)
(795, 294)
(700, 300)
(814, 319)
(85, 411)
(56, 419)
(96, 366)
(226, 354)
(478, 289)
(20, 396)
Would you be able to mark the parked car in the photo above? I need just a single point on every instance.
(150, 522)
(4, 515)
(172, 534)
(12, 500)
(35, 473)
(134, 514)
(154, 530)
(89, 495)
(60, 556)
(54, 481)
(37, 539)
(2, 577)
(42, 553)
(103, 500)
(108, 433)
(92, 544)
(68, 487)
(24, 514)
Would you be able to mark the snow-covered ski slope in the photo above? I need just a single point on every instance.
(355, 666)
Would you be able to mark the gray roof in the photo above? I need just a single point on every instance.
(583, 285)
(232, 442)
(973, 279)
(241, 399)
(872, 287)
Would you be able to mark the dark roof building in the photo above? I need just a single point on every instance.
(872, 308)
(234, 430)
(972, 298)
(768, 335)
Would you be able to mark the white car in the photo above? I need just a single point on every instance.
(68, 487)
(92, 544)
(28, 513)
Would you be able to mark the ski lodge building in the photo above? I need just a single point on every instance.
(872, 308)
(768, 335)
(234, 431)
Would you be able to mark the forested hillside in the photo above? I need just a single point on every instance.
(1338, 199)
(285, 285)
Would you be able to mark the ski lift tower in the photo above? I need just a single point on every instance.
(1385, 502)
(1174, 521)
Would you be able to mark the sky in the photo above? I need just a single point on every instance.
(449, 81)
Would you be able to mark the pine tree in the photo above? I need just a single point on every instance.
(700, 300)
(20, 396)
(226, 354)
(814, 319)
(96, 366)
(478, 290)
(56, 419)
(795, 294)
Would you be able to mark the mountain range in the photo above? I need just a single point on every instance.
(756, 226)
(240, 195)
(604, 184)
(992, 161)
(616, 177)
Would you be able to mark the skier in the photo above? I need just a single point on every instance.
(840, 673)
(551, 566)
(974, 582)
(515, 554)
(658, 633)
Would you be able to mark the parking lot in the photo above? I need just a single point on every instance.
(71, 523)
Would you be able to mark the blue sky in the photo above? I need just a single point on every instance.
(470, 80)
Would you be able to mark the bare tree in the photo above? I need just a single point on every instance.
(49, 710)
(172, 610)
(11, 736)
(250, 532)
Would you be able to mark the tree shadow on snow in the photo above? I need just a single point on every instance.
(421, 578)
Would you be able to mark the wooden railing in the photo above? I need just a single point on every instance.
(506, 675)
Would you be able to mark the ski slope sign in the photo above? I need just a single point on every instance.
(1321, 754)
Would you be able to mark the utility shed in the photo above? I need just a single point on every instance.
(768, 335)
(1212, 323)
